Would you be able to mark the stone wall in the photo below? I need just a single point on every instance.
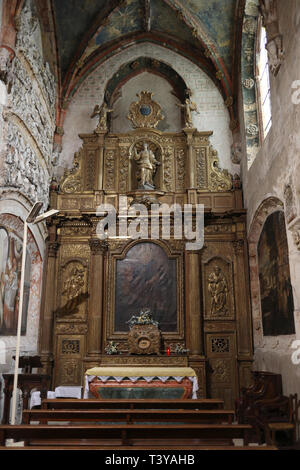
(275, 173)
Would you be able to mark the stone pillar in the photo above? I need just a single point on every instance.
(48, 304)
(95, 315)
(193, 305)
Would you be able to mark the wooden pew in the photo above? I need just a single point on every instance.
(63, 403)
(129, 415)
(125, 434)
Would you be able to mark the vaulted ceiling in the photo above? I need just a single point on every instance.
(206, 31)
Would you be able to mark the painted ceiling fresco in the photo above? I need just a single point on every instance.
(217, 17)
(73, 18)
(130, 18)
(83, 27)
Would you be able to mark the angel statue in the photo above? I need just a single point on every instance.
(188, 107)
(147, 163)
(102, 112)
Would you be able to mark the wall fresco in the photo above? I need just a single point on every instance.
(277, 302)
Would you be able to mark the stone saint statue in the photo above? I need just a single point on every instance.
(217, 287)
(188, 107)
(147, 164)
(102, 112)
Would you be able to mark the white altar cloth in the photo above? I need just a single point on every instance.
(59, 392)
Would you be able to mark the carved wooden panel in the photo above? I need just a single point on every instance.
(69, 355)
(222, 370)
(72, 291)
(218, 289)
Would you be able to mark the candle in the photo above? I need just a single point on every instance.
(168, 351)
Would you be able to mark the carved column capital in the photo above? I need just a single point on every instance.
(98, 246)
(52, 249)
(238, 246)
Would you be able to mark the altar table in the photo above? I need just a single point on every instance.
(98, 378)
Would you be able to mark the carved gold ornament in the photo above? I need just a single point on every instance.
(145, 112)
(71, 180)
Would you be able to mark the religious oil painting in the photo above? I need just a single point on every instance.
(10, 276)
(146, 278)
(274, 275)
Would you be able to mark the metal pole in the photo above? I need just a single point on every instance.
(14, 396)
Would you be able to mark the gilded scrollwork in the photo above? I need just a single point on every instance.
(71, 181)
(124, 166)
(168, 168)
(110, 167)
(180, 168)
(201, 167)
(219, 180)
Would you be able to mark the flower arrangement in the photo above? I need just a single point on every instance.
(144, 318)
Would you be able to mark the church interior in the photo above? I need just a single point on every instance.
(128, 129)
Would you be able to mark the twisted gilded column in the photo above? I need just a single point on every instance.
(48, 303)
(94, 336)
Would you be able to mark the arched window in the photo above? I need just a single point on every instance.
(264, 97)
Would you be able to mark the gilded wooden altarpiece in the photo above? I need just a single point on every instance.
(213, 319)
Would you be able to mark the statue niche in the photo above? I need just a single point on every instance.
(145, 165)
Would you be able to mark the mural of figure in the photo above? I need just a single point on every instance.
(147, 164)
(3, 260)
(10, 270)
(218, 289)
(11, 287)
(101, 111)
